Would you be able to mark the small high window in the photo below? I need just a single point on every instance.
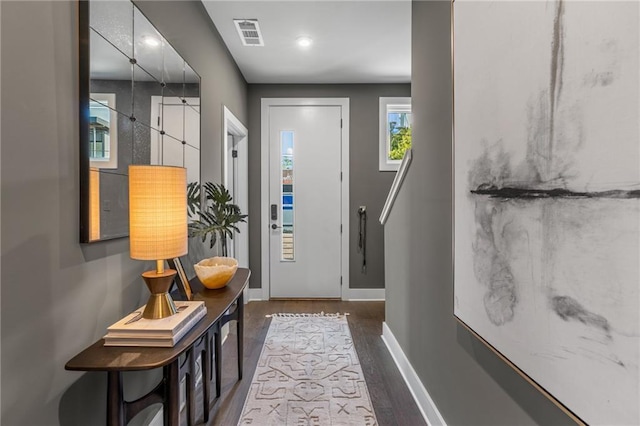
(395, 131)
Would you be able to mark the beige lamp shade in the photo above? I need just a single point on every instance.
(157, 212)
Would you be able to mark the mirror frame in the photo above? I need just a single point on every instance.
(84, 79)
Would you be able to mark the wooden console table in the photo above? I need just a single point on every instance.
(203, 341)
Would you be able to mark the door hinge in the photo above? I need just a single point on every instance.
(340, 280)
(341, 228)
(234, 154)
(341, 123)
(158, 121)
(340, 176)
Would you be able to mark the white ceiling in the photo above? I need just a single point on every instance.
(364, 41)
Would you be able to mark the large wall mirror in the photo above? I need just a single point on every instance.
(139, 104)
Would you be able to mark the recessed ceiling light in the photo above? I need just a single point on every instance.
(304, 41)
(151, 41)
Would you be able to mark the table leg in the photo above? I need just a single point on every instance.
(240, 332)
(172, 394)
(218, 358)
(206, 374)
(191, 387)
(115, 399)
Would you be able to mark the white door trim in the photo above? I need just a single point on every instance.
(231, 125)
(264, 184)
(235, 127)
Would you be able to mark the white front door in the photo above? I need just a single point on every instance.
(305, 196)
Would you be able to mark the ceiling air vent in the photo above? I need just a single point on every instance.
(249, 32)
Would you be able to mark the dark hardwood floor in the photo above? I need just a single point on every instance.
(391, 398)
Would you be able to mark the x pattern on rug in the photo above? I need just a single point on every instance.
(308, 374)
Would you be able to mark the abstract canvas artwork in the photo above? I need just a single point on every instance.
(547, 195)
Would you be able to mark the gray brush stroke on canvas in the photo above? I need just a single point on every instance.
(568, 308)
(491, 263)
(554, 132)
(541, 173)
(557, 66)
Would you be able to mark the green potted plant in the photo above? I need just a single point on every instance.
(216, 218)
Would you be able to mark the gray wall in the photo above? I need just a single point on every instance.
(367, 186)
(59, 296)
(468, 383)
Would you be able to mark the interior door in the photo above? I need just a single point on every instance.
(305, 201)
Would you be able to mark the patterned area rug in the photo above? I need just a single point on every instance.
(308, 374)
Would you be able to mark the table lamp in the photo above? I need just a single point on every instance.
(158, 228)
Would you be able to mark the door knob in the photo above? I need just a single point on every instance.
(274, 226)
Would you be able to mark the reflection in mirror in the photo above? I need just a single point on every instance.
(139, 105)
(173, 69)
(112, 203)
(148, 46)
(113, 20)
(111, 72)
(145, 88)
(172, 116)
(180, 143)
(103, 131)
(192, 116)
(192, 163)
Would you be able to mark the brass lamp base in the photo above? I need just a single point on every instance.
(160, 303)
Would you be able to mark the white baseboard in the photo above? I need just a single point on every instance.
(255, 295)
(426, 405)
(351, 294)
(363, 294)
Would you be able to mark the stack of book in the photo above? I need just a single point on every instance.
(133, 330)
